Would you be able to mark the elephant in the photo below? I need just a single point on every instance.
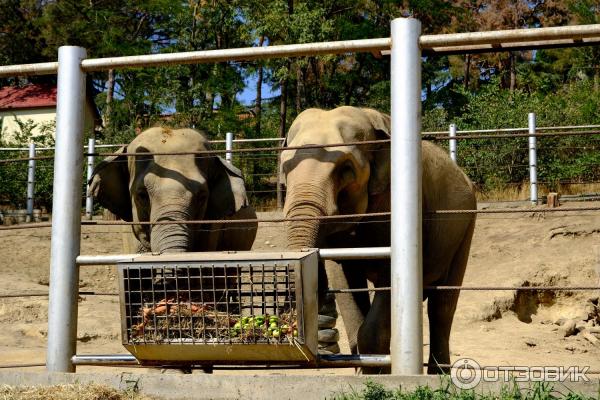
(355, 179)
(146, 187)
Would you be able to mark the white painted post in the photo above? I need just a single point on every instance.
(532, 160)
(406, 346)
(30, 182)
(66, 211)
(228, 146)
(89, 200)
(452, 142)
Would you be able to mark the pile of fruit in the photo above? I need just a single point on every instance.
(273, 327)
(175, 320)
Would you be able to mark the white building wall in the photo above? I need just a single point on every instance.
(39, 116)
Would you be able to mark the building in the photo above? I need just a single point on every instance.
(35, 106)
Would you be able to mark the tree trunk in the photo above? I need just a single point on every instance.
(513, 72)
(467, 71)
(110, 89)
(299, 89)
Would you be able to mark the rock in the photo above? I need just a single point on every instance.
(581, 325)
(530, 342)
(328, 335)
(568, 328)
(326, 321)
(590, 310)
(560, 321)
(267, 242)
(331, 349)
(590, 338)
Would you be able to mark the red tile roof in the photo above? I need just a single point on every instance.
(30, 96)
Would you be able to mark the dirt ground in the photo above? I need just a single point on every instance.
(494, 328)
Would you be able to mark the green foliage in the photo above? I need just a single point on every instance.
(538, 391)
(478, 91)
(13, 175)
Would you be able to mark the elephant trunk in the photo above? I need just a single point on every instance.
(308, 201)
(170, 238)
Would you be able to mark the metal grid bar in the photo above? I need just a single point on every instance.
(157, 310)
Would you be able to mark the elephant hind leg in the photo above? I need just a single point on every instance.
(441, 305)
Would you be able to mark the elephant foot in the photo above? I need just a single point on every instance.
(328, 348)
(328, 336)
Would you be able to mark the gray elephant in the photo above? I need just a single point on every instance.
(355, 179)
(145, 187)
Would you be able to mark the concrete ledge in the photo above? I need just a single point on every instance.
(300, 387)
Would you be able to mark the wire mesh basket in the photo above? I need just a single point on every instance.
(220, 308)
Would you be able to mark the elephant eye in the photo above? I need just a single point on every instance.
(347, 173)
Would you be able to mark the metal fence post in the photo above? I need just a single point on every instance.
(406, 347)
(228, 146)
(452, 142)
(30, 182)
(532, 160)
(66, 218)
(89, 200)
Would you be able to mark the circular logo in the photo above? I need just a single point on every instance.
(465, 373)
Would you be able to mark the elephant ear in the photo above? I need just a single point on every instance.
(227, 190)
(109, 184)
(379, 182)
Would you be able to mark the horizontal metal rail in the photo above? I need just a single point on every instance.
(452, 42)
(513, 135)
(436, 135)
(502, 37)
(328, 254)
(330, 361)
(45, 294)
(321, 218)
(474, 288)
(427, 136)
(243, 221)
(510, 46)
(101, 146)
(105, 359)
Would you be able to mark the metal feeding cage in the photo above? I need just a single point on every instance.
(220, 308)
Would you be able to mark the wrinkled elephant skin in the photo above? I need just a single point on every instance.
(355, 179)
(155, 188)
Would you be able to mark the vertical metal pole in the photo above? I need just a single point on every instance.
(406, 347)
(89, 200)
(228, 146)
(532, 160)
(452, 133)
(66, 210)
(30, 182)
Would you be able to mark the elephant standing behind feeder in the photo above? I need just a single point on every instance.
(145, 187)
(355, 179)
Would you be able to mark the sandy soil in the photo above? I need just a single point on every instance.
(494, 328)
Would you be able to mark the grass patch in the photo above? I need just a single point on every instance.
(68, 392)
(538, 391)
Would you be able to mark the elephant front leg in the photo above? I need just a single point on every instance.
(374, 334)
(328, 335)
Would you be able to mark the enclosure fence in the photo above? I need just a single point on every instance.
(405, 251)
(453, 136)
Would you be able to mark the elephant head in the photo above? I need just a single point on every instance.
(349, 179)
(155, 188)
